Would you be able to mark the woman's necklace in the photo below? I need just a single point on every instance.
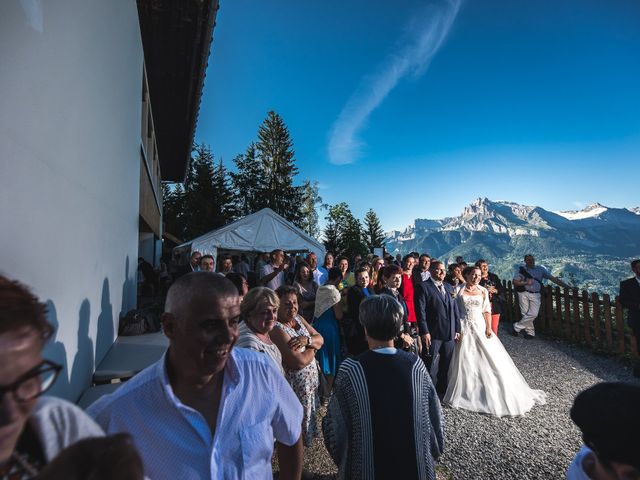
(473, 289)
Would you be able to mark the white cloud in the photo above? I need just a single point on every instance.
(33, 12)
(427, 33)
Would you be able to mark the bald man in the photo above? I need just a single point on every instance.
(207, 410)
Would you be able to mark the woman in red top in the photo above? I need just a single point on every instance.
(406, 289)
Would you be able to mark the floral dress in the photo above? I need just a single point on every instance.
(305, 385)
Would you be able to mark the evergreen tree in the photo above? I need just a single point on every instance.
(224, 197)
(373, 233)
(275, 149)
(331, 237)
(172, 200)
(343, 234)
(249, 182)
(309, 212)
(199, 209)
(352, 241)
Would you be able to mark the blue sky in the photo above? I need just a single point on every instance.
(416, 108)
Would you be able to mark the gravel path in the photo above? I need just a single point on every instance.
(539, 445)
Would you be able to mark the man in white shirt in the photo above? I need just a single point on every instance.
(206, 410)
(272, 274)
(312, 260)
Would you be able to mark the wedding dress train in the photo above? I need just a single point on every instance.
(482, 375)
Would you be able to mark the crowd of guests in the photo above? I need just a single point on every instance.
(245, 372)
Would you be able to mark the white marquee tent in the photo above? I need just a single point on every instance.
(262, 231)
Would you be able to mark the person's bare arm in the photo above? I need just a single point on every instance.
(558, 282)
(337, 310)
(290, 460)
(292, 359)
(316, 341)
(267, 278)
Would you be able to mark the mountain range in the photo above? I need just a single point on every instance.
(589, 248)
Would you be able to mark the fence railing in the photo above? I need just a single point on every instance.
(588, 319)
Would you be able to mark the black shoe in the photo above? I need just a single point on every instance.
(514, 332)
(528, 336)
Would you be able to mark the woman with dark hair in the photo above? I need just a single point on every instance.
(482, 375)
(354, 333)
(384, 419)
(240, 282)
(492, 283)
(392, 277)
(306, 288)
(328, 313)
(298, 342)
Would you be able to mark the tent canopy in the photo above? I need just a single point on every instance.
(262, 231)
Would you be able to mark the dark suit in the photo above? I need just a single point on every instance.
(630, 299)
(437, 315)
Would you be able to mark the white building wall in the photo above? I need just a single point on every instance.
(70, 105)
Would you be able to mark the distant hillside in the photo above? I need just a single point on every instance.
(590, 248)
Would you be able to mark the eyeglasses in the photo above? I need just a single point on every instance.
(33, 383)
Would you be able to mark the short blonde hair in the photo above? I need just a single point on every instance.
(253, 298)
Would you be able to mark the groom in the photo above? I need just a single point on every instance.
(438, 323)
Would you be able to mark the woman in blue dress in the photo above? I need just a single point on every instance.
(327, 315)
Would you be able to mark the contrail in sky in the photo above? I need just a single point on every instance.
(413, 58)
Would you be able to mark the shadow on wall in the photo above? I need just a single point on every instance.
(55, 351)
(73, 381)
(105, 332)
(82, 367)
(129, 289)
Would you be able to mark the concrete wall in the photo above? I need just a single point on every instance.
(70, 105)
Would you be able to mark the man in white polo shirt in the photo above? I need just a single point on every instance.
(206, 410)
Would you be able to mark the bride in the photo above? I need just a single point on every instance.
(482, 376)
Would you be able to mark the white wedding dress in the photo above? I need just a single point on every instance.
(482, 376)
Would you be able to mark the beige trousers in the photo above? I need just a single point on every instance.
(529, 306)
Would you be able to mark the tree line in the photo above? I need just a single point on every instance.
(213, 196)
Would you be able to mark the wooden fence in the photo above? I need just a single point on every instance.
(582, 318)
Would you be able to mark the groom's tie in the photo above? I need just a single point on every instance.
(441, 288)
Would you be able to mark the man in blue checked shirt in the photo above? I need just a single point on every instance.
(206, 410)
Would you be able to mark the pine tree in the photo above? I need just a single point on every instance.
(373, 233)
(309, 213)
(352, 241)
(224, 197)
(331, 237)
(275, 149)
(343, 234)
(249, 182)
(199, 208)
(172, 200)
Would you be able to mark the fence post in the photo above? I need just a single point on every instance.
(619, 325)
(567, 314)
(606, 306)
(576, 314)
(548, 311)
(558, 296)
(585, 313)
(509, 300)
(597, 323)
(542, 314)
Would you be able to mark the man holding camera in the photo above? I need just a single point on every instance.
(528, 283)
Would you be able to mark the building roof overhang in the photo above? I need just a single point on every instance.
(176, 38)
